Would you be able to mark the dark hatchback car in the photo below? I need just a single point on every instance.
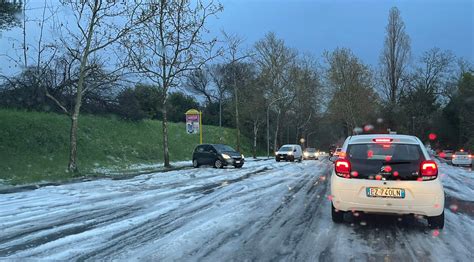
(217, 155)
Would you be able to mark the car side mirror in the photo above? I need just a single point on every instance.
(333, 158)
(294, 150)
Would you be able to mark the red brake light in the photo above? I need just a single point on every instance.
(429, 168)
(343, 166)
(382, 140)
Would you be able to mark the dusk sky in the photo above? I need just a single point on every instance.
(318, 25)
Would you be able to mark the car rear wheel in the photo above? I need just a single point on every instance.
(195, 163)
(436, 222)
(337, 215)
(238, 166)
(218, 164)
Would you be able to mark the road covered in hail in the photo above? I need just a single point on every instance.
(264, 211)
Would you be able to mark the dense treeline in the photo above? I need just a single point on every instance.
(270, 87)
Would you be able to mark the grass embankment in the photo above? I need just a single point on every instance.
(34, 146)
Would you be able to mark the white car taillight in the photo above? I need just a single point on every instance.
(428, 170)
(343, 168)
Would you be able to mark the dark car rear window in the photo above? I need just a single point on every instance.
(461, 153)
(370, 160)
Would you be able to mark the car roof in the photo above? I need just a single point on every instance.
(402, 139)
(290, 145)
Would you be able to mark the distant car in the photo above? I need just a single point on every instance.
(446, 154)
(310, 153)
(217, 155)
(338, 151)
(461, 158)
(391, 174)
(289, 153)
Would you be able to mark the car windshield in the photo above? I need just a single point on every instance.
(224, 148)
(310, 150)
(286, 148)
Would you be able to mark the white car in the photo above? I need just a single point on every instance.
(289, 153)
(391, 174)
(461, 158)
(310, 153)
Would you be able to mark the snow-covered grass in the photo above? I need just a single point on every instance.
(34, 146)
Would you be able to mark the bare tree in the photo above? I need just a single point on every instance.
(171, 44)
(275, 61)
(395, 57)
(218, 76)
(199, 82)
(434, 71)
(354, 100)
(96, 29)
(235, 55)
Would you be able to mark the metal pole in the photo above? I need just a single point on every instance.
(268, 132)
(200, 127)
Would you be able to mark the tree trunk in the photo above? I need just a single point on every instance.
(237, 126)
(220, 112)
(164, 122)
(255, 133)
(72, 166)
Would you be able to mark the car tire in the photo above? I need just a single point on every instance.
(300, 160)
(218, 164)
(436, 222)
(337, 215)
(238, 166)
(292, 159)
(277, 159)
(195, 163)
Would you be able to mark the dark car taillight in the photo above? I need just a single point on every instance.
(428, 170)
(343, 167)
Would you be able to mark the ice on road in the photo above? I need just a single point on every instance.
(265, 211)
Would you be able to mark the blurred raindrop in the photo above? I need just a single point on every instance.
(453, 207)
(368, 128)
(357, 130)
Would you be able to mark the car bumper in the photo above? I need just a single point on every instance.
(421, 197)
(284, 157)
(461, 162)
(234, 162)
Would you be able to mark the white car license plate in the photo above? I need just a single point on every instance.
(237, 162)
(385, 192)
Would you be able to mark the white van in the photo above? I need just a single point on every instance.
(289, 153)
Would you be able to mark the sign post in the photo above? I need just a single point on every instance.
(194, 123)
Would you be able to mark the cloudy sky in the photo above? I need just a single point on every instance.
(314, 26)
(317, 25)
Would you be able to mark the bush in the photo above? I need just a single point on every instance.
(129, 106)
